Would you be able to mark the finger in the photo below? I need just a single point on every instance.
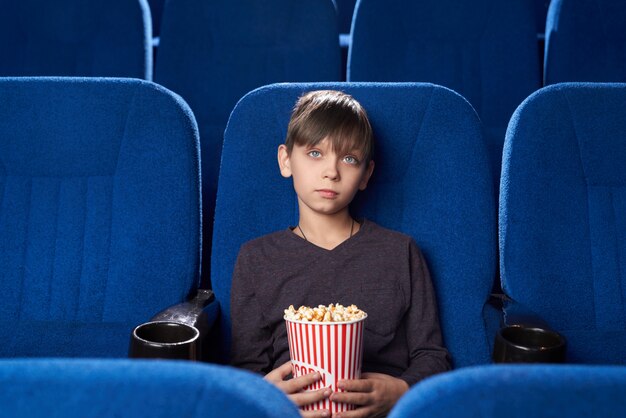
(371, 375)
(315, 414)
(279, 373)
(356, 413)
(356, 385)
(310, 396)
(354, 398)
(298, 383)
(284, 370)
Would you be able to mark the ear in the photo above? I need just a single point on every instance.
(283, 161)
(366, 176)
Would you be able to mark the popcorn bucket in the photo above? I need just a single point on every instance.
(334, 349)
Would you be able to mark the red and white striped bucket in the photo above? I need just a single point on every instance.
(334, 349)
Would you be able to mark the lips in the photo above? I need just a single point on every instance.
(327, 193)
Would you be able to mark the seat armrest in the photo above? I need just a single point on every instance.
(526, 337)
(516, 313)
(190, 312)
(200, 311)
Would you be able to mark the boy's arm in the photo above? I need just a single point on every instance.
(251, 339)
(426, 351)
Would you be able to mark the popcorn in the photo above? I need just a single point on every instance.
(330, 313)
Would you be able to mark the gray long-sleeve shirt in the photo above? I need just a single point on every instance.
(381, 271)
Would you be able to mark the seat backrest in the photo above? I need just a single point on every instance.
(135, 388)
(541, 13)
(156, 12)
(485, 50)
(345, 10)
(585, 41)
(110, 38)
(431, 182)
(214, 52)
(99, 212)
(541, 391)
(562, 225)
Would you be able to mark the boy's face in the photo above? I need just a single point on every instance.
(324, 181)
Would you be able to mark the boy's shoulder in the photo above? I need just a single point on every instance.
(273, 240)
(387, 236)
(386, 233)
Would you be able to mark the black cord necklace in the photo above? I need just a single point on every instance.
(351, 230)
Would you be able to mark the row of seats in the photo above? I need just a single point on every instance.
(101, 225)
(76, 40)
(486, 51)
(345, 11)
(130, 389)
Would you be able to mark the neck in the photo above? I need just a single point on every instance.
(326, 231)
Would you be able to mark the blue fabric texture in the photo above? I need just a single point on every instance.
(156, 12)
(99, 212)
(135, 388)
(214, 52)
(345, 10)
(76, 38)
(431, 181)
(541, 13)
(516, 391)
(585, 41)
(484, 50)
(562, 229)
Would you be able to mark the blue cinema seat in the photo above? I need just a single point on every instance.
(213, 52)
(110, 38)
(562, 224)
(539, 391)
(99, 212)
(541, 13)
(431, 181)
(345, 10)
(485, 50)
(585, 41)
(156, 12)
(104, 388)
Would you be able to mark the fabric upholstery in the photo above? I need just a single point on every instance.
(431, 181)
(585, 41)
(156, 12)
(135, 388)
(213, 52)
(76, 38)
(99, 212)
(345, 10)
(485, 50)
(562, 229)
(541, 13)
(516, 391)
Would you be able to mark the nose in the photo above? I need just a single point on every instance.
(331, 170)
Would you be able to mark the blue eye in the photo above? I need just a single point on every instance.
(349, 159)
(314, 154)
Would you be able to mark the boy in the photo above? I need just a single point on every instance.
(328, 257)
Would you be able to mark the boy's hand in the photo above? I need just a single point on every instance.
(374, 394)
(294, 389)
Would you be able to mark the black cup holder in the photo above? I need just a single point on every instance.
(164, 339)
(519, 344)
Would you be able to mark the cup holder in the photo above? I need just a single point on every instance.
(164, 339)
(519, 344)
